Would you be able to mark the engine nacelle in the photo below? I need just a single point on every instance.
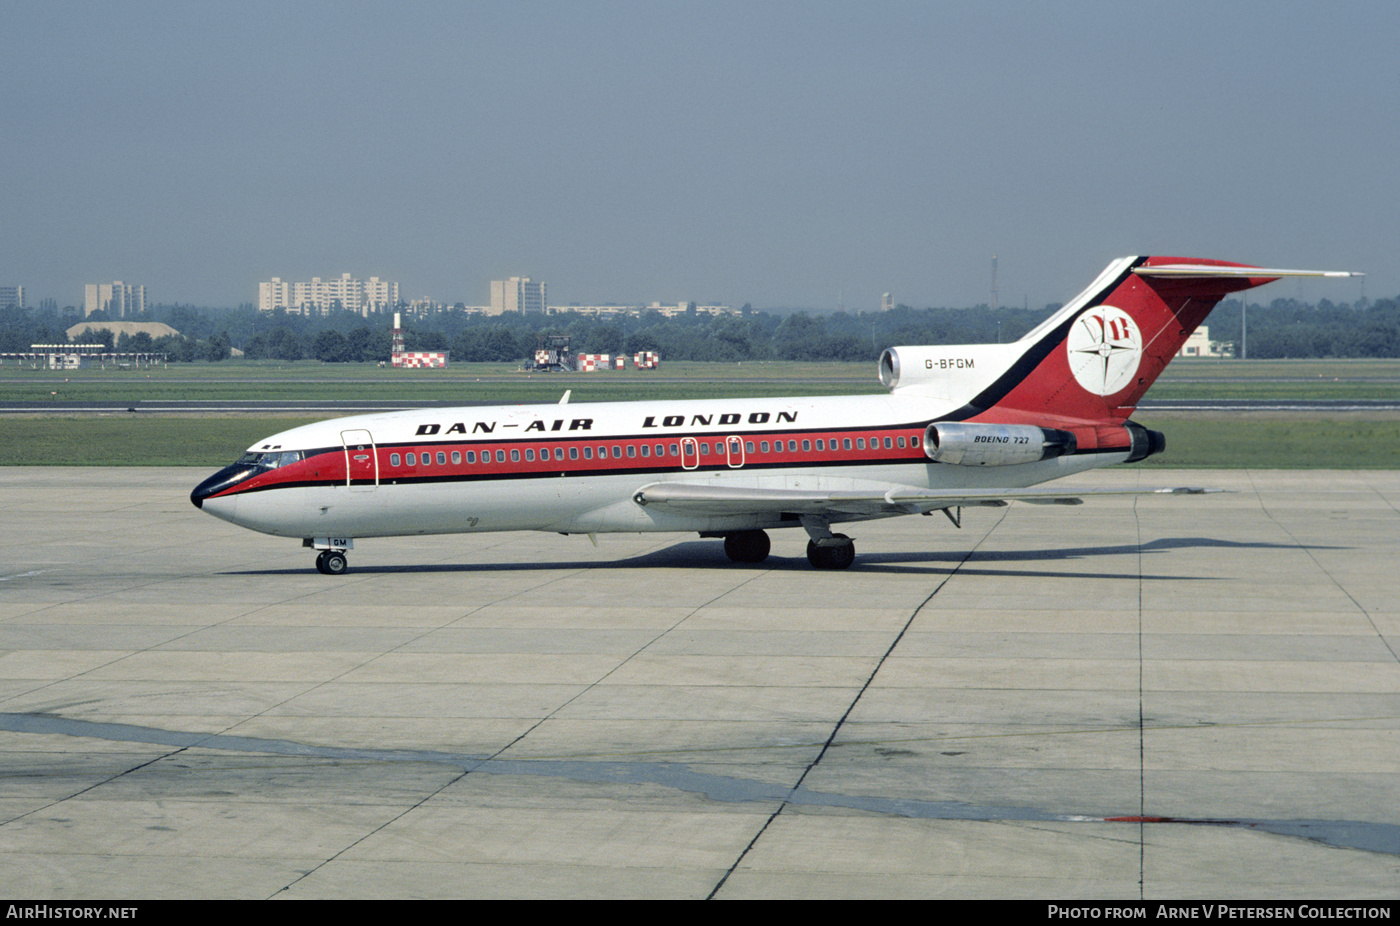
(952, 372)
(994, 444)
(1144, 443)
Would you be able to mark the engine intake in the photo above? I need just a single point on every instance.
(994, 444)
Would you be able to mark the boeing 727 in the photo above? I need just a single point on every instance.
(960, 426)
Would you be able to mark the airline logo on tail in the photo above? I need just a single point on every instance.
(1105, 347)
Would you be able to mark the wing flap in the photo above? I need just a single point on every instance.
(733, 500)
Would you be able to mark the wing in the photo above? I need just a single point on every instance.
(721, 500)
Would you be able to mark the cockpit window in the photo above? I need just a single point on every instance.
(272, 460)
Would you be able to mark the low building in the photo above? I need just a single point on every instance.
(78, 356)
(1199, 344)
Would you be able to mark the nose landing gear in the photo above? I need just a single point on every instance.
(331, 563)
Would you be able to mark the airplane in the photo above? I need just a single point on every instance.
(961, 426)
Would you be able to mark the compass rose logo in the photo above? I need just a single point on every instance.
(1104, 347)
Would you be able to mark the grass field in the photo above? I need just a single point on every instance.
(1269, 440)
(1344, 440)
(495, 382)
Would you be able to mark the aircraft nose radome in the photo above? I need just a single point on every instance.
(218, 482)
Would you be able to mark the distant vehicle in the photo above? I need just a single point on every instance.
(961, 426)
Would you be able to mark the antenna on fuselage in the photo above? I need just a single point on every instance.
(564, 399)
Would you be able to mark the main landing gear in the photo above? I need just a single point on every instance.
(824, 551)
(747, 546)
(331, 563)
(832, 555)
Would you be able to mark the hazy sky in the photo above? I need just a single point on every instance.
(783, 154)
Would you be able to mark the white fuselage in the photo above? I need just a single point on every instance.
(576, 468)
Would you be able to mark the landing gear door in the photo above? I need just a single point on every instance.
(361, 461)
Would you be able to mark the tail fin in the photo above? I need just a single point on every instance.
(1092, 361)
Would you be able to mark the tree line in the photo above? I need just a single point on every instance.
(1282, 328)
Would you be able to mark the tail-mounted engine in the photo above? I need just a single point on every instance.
(994, 444)
(1143, 443)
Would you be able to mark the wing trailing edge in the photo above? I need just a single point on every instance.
(692, 498)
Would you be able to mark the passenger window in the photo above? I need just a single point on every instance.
(792, 446)
(617, 451)
(393, 459)
(529, 455)
(888, 443)
(661, 450)
(901, 442)
(456, 457)
(573, 453)
(471, 456)
(860, 443)
(704, 449)
(646, 450)
(806, 446)
(821, 444)
(845, 443)
(748, 446)
(500, 456)
(675, 450)
(413, 459)
(763, 445)
(515, 456)
(442, 458)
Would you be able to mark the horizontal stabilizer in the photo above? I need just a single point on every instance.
(1207, 271)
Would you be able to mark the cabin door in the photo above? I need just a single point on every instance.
(734, 450)
(361, 461)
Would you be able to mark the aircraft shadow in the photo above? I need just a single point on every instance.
(703, 554)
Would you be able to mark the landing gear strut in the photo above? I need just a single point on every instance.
(331, 563)
(838, 555)
(747, 546)
(826, 550)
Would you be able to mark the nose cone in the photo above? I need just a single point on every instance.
(224, 479)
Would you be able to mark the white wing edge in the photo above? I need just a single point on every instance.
(732, 500)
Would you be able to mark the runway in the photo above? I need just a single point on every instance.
(1165, 697)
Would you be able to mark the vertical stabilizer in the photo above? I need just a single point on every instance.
(1092, 361)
